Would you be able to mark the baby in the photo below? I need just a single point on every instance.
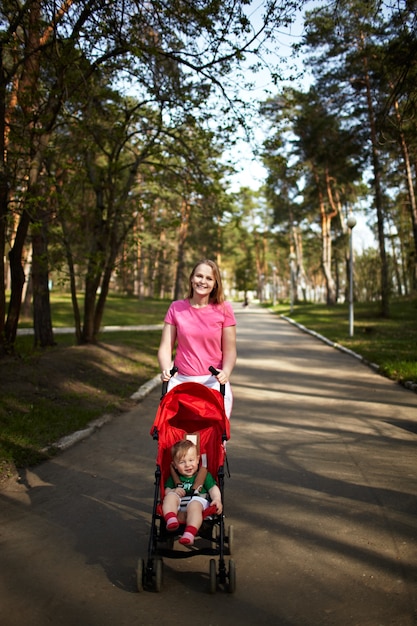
(181, 502)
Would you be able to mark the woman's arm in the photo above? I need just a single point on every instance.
(229, 353)
(166, 346)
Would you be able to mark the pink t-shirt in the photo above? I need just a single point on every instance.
(199, 335)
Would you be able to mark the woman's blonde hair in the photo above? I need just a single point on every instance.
(217, 293)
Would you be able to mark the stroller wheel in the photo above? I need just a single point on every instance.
(158, 565)
(140, 573)
(213, 576)
(232, 576)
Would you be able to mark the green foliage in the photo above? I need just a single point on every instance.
(349, 142)
(367, 279)
(132, 107)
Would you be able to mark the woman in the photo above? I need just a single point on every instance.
(203, 328)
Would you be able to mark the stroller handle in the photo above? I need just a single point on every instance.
(215, 372)
(174, 370)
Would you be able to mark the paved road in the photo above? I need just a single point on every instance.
(322, 498)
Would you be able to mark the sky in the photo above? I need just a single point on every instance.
(251, 172)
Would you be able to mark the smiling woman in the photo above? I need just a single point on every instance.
(203, 329)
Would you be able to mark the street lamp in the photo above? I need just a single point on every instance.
(351, 222)
(274, 285)
(292, 276)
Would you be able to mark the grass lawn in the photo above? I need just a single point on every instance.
(389, 343)
(119, 311)
(47, 394)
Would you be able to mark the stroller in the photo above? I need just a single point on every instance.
(196, 412)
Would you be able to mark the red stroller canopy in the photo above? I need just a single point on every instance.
(192, 408)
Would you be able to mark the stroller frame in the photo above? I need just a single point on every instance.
(161, 541)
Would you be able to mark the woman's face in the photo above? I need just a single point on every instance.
(203, 281)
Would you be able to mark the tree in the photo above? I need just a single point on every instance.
(398, 117)
(141, 175)
(178, 56)
(239, 236)
(323, 171)
(349, 60)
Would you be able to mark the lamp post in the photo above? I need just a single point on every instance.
(351, 222)
(292, 275)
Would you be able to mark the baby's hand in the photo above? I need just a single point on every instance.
(218, 504)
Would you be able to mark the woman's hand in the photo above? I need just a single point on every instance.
(165, 375)
(222, 377)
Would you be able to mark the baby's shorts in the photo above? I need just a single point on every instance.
(185, 501)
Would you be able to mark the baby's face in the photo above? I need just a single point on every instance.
(188, 464)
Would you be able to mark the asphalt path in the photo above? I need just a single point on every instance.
(322, 499)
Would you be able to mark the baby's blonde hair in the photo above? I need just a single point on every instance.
(180, 449)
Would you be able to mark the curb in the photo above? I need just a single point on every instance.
(374, 366)
(146, 388)
(408, 384)
(69, 440)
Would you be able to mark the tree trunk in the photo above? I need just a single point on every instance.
(105, 284)
(4, 195)
(71, 268)
(327, 258)
(91, 287)
(301, 277)
(42, 321)
(23, 94)
(101, 301)
(326, 245)
(74, 299)
(376, 166)
(96, 259)
(3, 204)
(410, 190)
(24, 98)
(182, 237)
(17, 281)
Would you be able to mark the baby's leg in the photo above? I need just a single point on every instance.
(194, 521)
(170, 507)
(195, 514)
